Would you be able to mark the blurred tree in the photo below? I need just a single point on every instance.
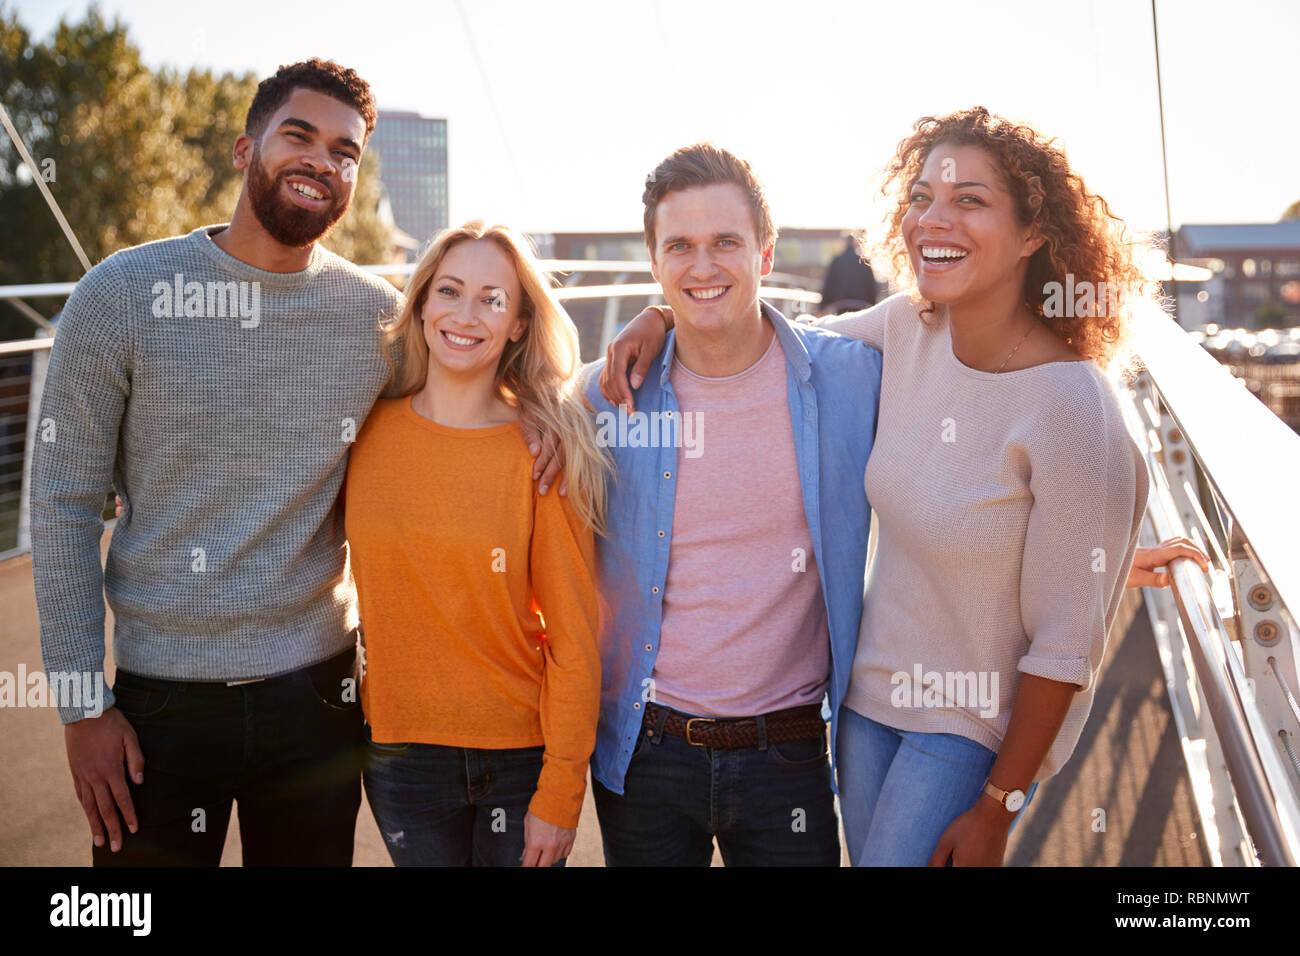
(363, 235)
(129, 154)
(1292, 211)
(1271, 315)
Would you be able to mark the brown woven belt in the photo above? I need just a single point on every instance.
(736, 733)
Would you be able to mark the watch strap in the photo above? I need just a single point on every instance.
(998, 794)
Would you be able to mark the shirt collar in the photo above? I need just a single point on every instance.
(796, 353)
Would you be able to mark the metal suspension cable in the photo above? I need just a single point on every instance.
(45, 190)
(491, 98)
(1164, 164)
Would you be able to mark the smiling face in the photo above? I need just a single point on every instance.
(962, 234)
(707, 256)
(302, 168)
(471, 308)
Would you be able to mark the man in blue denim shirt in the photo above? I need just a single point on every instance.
(718, 639)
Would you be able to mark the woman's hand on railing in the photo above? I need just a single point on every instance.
(1143, 574)
(637, 345)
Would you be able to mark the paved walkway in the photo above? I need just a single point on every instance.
(1128, 765)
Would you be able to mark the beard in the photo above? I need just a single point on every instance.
(287, 223)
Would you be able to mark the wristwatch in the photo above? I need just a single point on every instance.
(1011, 800)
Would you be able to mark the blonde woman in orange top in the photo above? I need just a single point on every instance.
(478, 603)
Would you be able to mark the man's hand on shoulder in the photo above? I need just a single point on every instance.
(629, 356)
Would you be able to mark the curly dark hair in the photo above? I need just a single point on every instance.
(323, 76)
(1084, 239)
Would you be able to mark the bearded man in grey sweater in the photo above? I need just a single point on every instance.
(216, 382)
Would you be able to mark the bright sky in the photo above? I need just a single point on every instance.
(558, 109)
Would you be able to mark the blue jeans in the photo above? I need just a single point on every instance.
(771, 807)
(900, 789)
(451, 806)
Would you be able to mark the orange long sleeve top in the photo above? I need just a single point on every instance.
(456, 560)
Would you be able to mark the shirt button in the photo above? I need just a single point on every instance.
(668, 414)
(649, 647)
(636, 705)
(668, 474)
(654, 590)
(661, 534)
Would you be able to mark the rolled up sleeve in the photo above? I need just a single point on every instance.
(1089, 488)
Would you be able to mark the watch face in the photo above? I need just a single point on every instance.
(1015, 800)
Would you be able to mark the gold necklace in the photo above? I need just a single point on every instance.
(1016, 349)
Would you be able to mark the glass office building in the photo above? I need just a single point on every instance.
(412, 152)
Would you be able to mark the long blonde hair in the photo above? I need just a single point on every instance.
(538, 374)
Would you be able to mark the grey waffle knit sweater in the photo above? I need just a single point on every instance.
(223, 417)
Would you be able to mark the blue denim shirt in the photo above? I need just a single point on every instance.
(833, 384)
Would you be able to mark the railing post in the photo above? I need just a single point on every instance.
(1269, 639)
(36, 385)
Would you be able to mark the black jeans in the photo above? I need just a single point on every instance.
(287, 748)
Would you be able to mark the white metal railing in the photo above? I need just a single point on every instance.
(575, 268)
(1224, 471)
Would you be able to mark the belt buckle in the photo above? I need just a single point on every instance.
(707, 720)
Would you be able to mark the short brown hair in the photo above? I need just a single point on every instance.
(705, 164)
(323, 76)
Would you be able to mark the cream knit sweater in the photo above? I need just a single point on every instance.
(1008, 508)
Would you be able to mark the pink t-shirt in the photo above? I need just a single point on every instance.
(744, 623)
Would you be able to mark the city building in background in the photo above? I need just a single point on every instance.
(1247, 314)
(1256, 281)
(412, 152)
